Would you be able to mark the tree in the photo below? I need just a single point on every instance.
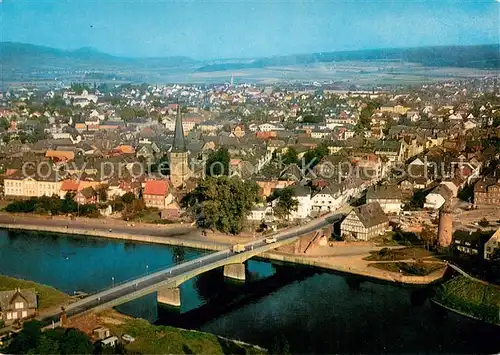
(314, 156)
(27, 338)
(47, 345)
(102, 193)
(4, 124)
(286, 202)
(218, 163)
(222, 203)
(366, 114)
(128, 198)
(484, 222)
(428, 236)
(68, 204)
(161, 166)
(290, 156)
(312, 119)
(75, 342)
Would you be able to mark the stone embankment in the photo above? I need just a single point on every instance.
(142, 238)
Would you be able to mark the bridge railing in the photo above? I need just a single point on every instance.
(144, 276)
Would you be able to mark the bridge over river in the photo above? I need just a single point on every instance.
(166, 282)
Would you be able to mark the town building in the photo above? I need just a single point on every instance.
(179, 165)
(156, 194)
(31, 184)
(365, 222)
(388, 197)
(328, 199)
(17, 305)
(466, 242)
(492, 246)
(303, 195)
(437, 197)
(487, 191)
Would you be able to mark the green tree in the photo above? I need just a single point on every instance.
(428, 236)
(4, 124)
(484, 222)
(68, 204)
(47, 345)
(366, 114)
(27, 339)
(312, 119)
(218, 163)
(102, 194)
(314, 156)
(128, 198)
(286, 202)
(75, 342)
(290, 156)
(222, 203)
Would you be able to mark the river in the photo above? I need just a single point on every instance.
(316, 311)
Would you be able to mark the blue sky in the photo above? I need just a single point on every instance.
(207, 29)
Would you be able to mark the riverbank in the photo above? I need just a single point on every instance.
(150, 339)
(349, 264)
(469, 297)
(157, 339)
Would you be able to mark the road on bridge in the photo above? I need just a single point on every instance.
(121, 293)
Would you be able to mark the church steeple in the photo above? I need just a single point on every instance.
(179, 142)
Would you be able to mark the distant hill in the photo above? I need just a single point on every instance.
(21, 56)
(479, 57)
(26, 62)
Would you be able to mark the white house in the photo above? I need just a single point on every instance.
(266, 127)
(437, 197)
(388, 196)
(328, 199)
(258, 213)
(303, 195)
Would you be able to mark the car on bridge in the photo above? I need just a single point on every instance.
(238, 248)
(271, 240)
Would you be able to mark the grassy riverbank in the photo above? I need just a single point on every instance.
(47, 296)
(154, 339)
(408, 268)
(471, 297)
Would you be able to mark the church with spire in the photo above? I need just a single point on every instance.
(179, 165)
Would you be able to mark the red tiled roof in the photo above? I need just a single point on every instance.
(9, 172)
(69, 185)
(156, 187)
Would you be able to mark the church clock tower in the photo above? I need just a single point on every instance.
(179, 168)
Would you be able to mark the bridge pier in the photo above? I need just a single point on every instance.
(170, 296)
(235, 271)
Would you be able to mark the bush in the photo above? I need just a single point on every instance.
(52, 206)
(484, 223)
